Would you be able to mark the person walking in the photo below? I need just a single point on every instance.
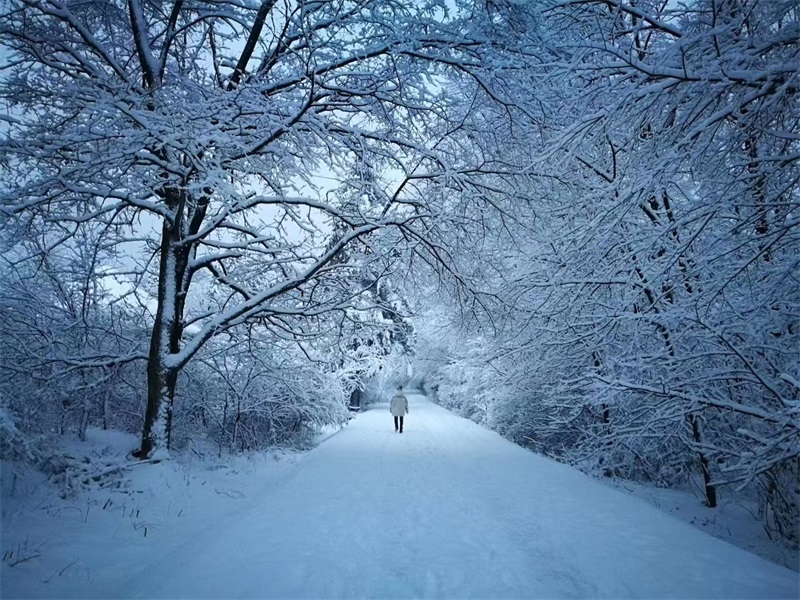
(399, 408)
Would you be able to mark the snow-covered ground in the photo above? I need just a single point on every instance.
(447, 509)
(734, 520)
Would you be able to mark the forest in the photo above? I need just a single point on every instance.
(574, 222)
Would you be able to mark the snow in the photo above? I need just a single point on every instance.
(734, 520)
(447, 509)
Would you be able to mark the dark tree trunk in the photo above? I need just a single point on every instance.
(162, 373)
(697, 435)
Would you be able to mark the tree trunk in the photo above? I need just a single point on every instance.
(236, 424)
(224, 423)
(84, 424)
(697, 435)
(158, 418)
(106, 398)
(162, 375)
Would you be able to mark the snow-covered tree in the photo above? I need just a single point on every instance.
(192, 139)
(651, 307)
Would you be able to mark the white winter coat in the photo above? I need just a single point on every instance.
(398, 405)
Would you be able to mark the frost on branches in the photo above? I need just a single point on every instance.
(196, 144)
(576, 220)
(650, 326)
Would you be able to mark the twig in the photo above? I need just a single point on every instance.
(22, 560)
(61, 572)
(110, 470)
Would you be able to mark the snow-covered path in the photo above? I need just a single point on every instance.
(448, 509)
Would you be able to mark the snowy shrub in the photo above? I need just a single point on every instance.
(70, 359)
(258, 395)
(14, 444)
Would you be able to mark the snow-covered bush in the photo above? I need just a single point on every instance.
(70, 357)
(14, 444)
(258, 395)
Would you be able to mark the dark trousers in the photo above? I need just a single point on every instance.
(401, 424)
